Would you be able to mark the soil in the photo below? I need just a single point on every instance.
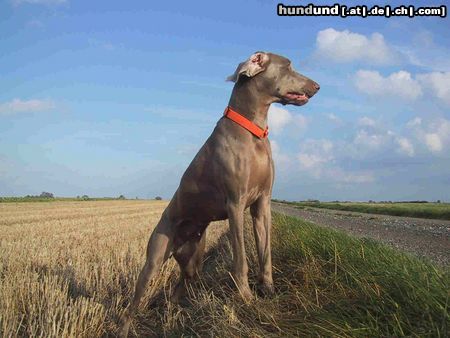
(423, 237)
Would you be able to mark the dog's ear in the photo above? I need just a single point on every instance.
(254, 65)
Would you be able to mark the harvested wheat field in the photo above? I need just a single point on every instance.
(67, 269)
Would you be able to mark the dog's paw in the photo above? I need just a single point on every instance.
(266, 289)
(246, 294)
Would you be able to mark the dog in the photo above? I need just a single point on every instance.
(232, 171)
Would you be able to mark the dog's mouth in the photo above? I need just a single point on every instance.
(299, 99)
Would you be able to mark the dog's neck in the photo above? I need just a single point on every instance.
(247, 100)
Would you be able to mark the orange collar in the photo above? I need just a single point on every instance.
(245, 123)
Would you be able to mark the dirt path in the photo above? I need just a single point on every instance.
(423, 237)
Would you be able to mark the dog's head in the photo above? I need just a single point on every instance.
(274, 76)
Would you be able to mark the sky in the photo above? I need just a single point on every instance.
(113, 97)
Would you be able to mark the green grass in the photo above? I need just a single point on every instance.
(336, 285)
(422, 210)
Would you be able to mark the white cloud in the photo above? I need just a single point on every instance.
(417, 121)
(300, 122)
(279, 118)
(399, 84)
(437, 137)
(334, 119)
(19, 106)
(318, 159)
(433, 142)
(402, 84)
(366, 122)
(435, 134)
(405, 146)
(369, 140)
(438, 83)
(38, 2)
(314, 155)
(420, 48)
(346, 46)
(311, 161)
(281, 160)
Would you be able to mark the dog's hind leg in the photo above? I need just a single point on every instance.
(158, 250)
(190, 259)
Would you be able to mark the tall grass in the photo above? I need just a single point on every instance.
(69, 268)
(360, 287)
(421, 210)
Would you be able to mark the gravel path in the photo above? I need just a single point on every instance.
(423, 237)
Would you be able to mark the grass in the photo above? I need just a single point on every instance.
(68, 268)
(421, 210)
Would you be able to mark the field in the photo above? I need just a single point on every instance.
(69, 268)
(421, 210)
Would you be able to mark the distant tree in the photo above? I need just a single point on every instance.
(78, 197)
(158, 198)
(45, 194)
(85, 197)
(121, 197)
(438, 201)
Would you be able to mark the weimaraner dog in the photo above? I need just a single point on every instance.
(231, 172)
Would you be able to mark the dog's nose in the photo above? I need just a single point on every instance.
(316, 86)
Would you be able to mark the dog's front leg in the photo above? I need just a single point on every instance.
(262, 223)
(240, 267)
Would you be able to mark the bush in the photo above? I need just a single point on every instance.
(158, 198)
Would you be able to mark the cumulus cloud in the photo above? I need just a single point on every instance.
(23, 106)
(334, 119)
(279, 118)
(399, 84)
(314, 155)
(346, 46)
(433, 142)
(417, 121)
(434, 134)
(300, 121)
(370, 140)
(366, 122)
(437, 83)
(318, 159)
(281, 160)
(402, 84)
(405, 146)
(437, 136)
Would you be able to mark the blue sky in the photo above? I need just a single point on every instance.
(112, 97)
